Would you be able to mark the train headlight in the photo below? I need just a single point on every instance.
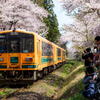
(1, 59)
(29, 59)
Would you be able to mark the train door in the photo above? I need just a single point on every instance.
(55, 55)
(61, 55)
(27, 56)
(38, 54)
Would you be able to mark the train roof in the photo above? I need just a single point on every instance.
(24, 31)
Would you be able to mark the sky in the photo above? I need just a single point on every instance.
(62, 18)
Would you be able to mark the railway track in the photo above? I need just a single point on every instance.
(2, 89)
(13, 93)
(16, 90)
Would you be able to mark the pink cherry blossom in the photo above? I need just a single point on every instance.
(86, 25)
(28, 15)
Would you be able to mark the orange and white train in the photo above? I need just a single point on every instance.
(25, 56)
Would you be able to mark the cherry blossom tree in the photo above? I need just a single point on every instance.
(82, 8)
(83, 5)
(82, 32)
(22, 14)
(87, 23)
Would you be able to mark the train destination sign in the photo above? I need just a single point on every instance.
(13, 33)
(14, 59)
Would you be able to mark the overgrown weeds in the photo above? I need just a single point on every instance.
(73, 86)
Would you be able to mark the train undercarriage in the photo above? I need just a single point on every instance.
(25, 77)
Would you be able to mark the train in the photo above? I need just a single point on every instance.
(26, 56)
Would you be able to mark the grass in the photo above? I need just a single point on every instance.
(4, 93)
(70, 67)
(50, 91)
(72, 86)
(74, 92)
(64, 73)
(77, 97)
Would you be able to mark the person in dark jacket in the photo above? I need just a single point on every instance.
(88, 57)
(89, 75)
(89, 91)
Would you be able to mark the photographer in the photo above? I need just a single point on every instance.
(88, 57)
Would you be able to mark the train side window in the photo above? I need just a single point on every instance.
(42, 48)
(46, 49)
(63, 53)
(58, 52)
(2, 45)
(51, 50)
(28, 45)
(46, 53)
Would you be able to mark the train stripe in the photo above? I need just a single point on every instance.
(29, 63)
(58, 58)
(28, 66)
(47, 60)
(3, 66)
(3, 63)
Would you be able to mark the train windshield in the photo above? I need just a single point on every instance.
(3, 44)
(27, 45)
(15, 42)
(14, 45)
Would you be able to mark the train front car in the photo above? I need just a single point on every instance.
(17, 57)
